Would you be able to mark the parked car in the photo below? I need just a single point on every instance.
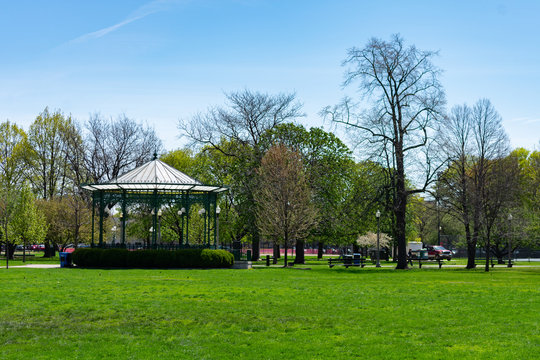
(438, 252)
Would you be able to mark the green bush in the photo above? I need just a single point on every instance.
(152, 259)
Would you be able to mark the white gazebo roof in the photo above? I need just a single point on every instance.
(155, 175)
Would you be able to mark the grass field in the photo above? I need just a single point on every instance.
(270, 313)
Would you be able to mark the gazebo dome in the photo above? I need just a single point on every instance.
(155, 175)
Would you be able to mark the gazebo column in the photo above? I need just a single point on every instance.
(154, 220)
(154, 227)
(101, 211)
(187, 222)
(182, 206)
(207, 219)
(123, 219)
(93, 216)
(216, 229)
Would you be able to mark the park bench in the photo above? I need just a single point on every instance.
(483, 260)
(425, 261)
(347, 261)
(274, 261)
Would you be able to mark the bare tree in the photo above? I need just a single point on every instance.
(454, 186)
(116, 146)
(407, 101)
(235, 131)
(285, 211)
(475, 143)
(490, 143)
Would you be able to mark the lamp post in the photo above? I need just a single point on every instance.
(151, 230)
(123, 227)
(509, 240)
(113, 229)
(378, 215)
(202, 212)
(439, 235)
(181, 213)
(218, 210)
(159, 213)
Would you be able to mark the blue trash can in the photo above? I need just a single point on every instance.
(65, 259)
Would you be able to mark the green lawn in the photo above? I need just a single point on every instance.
(270, 313)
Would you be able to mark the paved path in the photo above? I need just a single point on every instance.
(37, 266)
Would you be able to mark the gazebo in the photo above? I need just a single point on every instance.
(156, 184)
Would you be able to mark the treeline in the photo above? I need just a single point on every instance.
(427, 170)
(42, 170)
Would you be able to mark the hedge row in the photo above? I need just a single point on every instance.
(152, 259)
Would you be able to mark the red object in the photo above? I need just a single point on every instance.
(438, 252)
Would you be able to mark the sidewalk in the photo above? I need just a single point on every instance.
(37, 266)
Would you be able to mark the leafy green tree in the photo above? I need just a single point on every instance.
(28, 224)
(529, 191)
(49, 169)
(210, 167)
(285, 209)
(69, 220)
(328, 166)
(236, 130)
(14, 153)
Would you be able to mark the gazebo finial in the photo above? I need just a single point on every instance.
(155, 156)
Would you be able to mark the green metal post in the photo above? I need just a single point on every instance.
(204, 220)
(182, 230)
(93, 215)
(124, 214)
(101, 211)
(208, 218)
(154, 228)
(154, 220)
(216, 229)
(187, 224)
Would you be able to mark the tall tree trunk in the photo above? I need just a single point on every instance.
(11, 248)
(285, 257)
(471, 248)
(320, 250)
(471, 252)
(400, 232)
(488, 248)
(400, 209)
(48, 251)
(299, 259)
(277, 255)
(255, 246)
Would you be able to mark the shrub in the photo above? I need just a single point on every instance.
(113, 258)
(162, 259)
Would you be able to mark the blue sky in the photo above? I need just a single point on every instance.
(159, 61)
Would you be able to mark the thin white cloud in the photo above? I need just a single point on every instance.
(149, 8)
